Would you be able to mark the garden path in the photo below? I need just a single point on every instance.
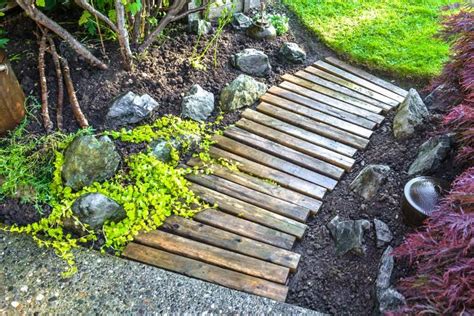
(301, 138)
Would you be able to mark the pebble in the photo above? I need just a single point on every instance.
(24, 288)
(39, 297)
(15, 304)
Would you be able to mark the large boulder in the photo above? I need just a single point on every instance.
(197, 104)
(241, 92)
(94, 209)
(88, 160)
(431, 154)
(410, 114)
(241, 22)
(292, 53)
(252, 62)
(200, 27)
(348, 235)
(368, 181)
(130, 108)
(382, 233)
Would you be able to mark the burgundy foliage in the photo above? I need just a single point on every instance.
(442, 252)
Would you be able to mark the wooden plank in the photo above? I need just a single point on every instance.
(313, 126)
(250, 212)
(264, 172)
(326, 170)
(253, 197)
(352, 86)
(358, 112)
(245, 228)
(230, 241)
(303, 134)
(213, 255)
(261, 185)
(204, 271)
(297, 144)
(327, 113)
(367, 76)
(307, 111)
(303, 82)
(358, 80)
(271, 161)
(353, 97)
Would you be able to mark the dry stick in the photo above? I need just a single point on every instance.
(123, 35)
(48, 125)
(59, 76)
(76, 109)
(42, 19)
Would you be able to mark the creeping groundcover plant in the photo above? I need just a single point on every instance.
(147, 188)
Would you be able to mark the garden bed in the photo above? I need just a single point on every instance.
(324, 281)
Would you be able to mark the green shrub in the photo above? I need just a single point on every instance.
(280, 22)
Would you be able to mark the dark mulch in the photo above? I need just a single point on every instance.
(325, 282)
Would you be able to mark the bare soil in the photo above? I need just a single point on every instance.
(324, 281)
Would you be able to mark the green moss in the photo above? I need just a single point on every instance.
(391, 35)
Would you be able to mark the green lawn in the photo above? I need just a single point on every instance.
(391, 35)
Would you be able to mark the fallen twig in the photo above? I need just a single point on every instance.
(48, 125)
(59, 76)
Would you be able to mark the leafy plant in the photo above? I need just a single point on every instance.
(280, 22)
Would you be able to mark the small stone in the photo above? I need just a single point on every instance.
(348, 234)
(198, 104)
(385, 271)
(382, 232)
(39, 297)
(241, 22)
(24, 288)
(161, 148)
(252, 62)
(88, 160)
(130, 108)
(410, 115)
(241, 92)
(390, 299)
(369, 180)
(200, 27)
(292, 53)
(94, 209)
(431, 154)
(15, 304)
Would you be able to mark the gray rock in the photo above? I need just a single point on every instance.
(88, 160)
(390, 299)
(348, 234)
(241, 22)
(368, 181)
(252, 62)
(161, 149)
(262, 32)
(200, 27)
(198, 104)
(241, 92)
(385, 271)
(410, 114)
(292, 53)
(95, 209)
(130, 108)
(431, 154)
(382, 232)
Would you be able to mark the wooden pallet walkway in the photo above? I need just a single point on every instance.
(301, 138)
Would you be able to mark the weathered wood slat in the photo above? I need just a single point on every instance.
(307, 111)
(352, 86)
(245, 228)
(250, 212)
(262, 186)
(313, 126)
(230, 241)
(361, 113)
(299, 132)
(358, 80)
(213, 255)
(264, 172)
(300, 79)
(269, 160)
(367, 76)
(343, 92)
(326, 170)
(297, 144)
(253, 197)
(205, 271)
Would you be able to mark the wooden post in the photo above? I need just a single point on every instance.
(12, 98)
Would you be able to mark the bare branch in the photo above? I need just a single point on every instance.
(59, 77)
(48, 125)
(123, 35)
(190, 11)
